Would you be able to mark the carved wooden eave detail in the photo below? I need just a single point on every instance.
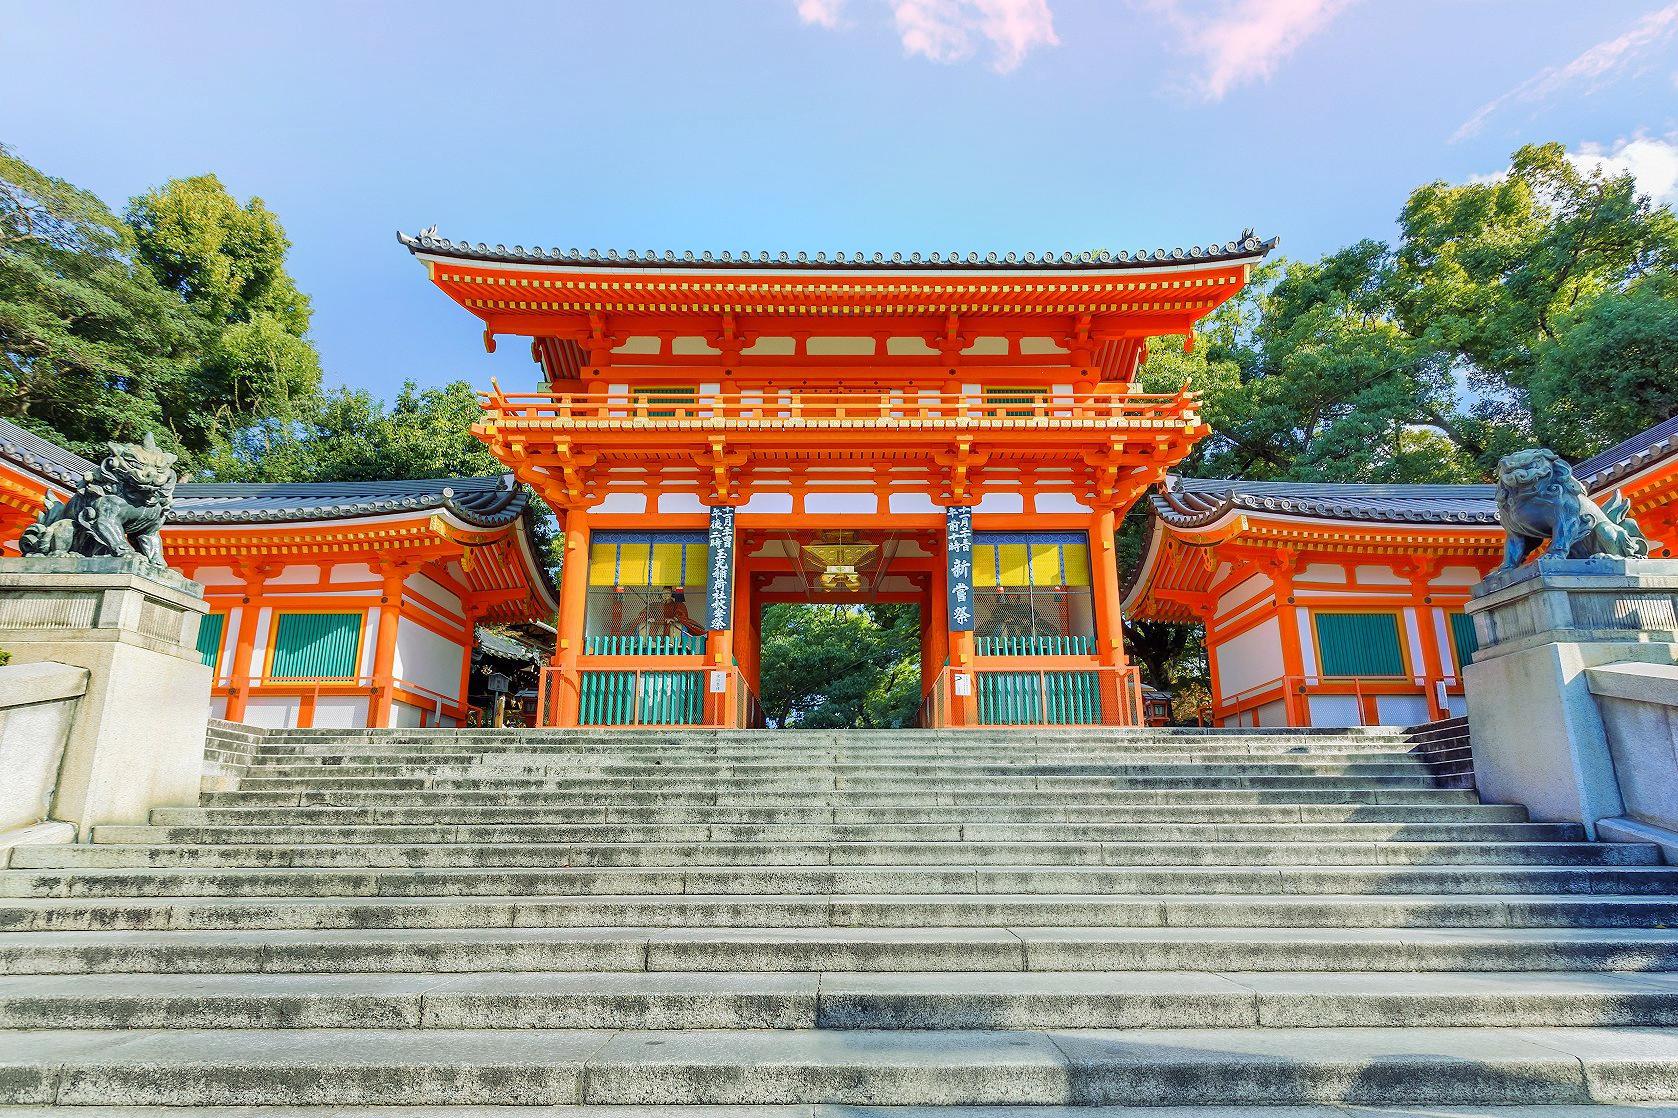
(721, 463)
(959, 465)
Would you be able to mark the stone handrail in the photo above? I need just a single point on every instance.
(37, 710)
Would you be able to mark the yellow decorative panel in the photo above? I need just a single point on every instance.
(984, 564)
(697, 557)
(1013, 562)
(667, 565)
(632, 563)
(603, 564)
(1077, 557)
(1045, 564)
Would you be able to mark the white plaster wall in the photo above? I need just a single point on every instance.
(1334, 710)
(259, 653)
(623, 502)
(1402, 710)
(1456, 705)
(1447, 649)
(1000, 502)
(1307, 646)
(1370, 575)
(218, 707)
(434, 591)
(912, 502)
(430, 660)
(216, 576)
(401, 714)
(680, 502)
(1243, 593)
(369, 641)
(1456, 576)
(296, 574)
(274, 712)
(352, 572)
(1322, 572)
(1250, 659)
(1271, 714)
(340, 712)
(759, 502)
(1060, 502)
(1413, 632)
(866, 503)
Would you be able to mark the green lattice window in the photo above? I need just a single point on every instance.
(1363, 644)
(210, 629)
(1464, 641)
(660, 401)
(316, 646)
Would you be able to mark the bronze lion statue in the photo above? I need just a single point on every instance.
(116, 511)
(1539, 499)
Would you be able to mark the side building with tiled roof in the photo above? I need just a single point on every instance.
(331, 604)
(1334, 605)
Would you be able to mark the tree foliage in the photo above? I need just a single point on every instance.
(833, 666)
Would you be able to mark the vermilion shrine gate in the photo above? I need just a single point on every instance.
(718, 434)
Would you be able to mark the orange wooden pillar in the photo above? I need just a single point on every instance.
(1296, 705)
(381, 703)
(573, 604)
(1432, 667)
(244, 641)
(1109, 617)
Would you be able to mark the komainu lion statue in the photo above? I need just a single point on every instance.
(116, 511)
(1539, 499)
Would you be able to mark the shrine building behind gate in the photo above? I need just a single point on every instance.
(721, 433)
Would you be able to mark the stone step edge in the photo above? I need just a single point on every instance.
(1014, 1067)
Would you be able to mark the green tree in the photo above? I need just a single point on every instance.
(91, 346)
(350, 435)
(833, 666)
(226, 261)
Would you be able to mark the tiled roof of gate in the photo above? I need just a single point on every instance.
(485, 502)
(1246, 247)
(1196, 502)
(1641, 450)
(43, 459)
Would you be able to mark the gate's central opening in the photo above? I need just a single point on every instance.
(839, 633)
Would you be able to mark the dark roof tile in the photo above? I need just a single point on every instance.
(1246, 247)
(1196, 502)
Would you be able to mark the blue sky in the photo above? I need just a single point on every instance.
(811, 124)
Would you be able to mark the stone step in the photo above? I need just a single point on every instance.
(1188, 913)
(825, 880)
(314, 834)
(721, 950)
(1135, 814)
(635, 763)
(836, 853)
(1325, 764)
(970, 785)
(1652, 1109)
(839, 1000)
(363, 1067)
(851, 798)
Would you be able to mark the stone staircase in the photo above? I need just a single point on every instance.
(779, 924)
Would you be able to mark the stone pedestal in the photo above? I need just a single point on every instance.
(1537, 733)
(137, 739)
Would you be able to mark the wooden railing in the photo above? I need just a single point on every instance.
(1096, 695)
(793, 406)
(648, 697)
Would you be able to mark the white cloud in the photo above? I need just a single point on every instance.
(1589, 71)
(952, 30)
(1653, 163)
(1241, 41)
(822, 13)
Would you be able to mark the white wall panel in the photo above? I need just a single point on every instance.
(428, 659)
(1250, 659)
(1402, 710)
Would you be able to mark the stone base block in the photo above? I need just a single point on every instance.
(137, 741)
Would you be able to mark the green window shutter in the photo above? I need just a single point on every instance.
(316, 645)
(210, 629)
(1359, 644)
(674, 395)
(1463, 639)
